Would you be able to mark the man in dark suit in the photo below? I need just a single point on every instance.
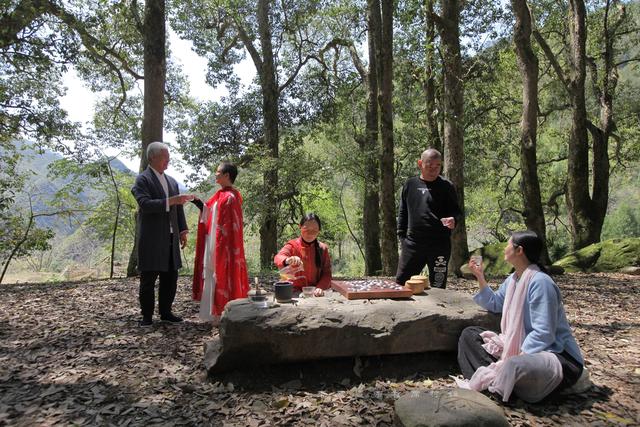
(162, 227)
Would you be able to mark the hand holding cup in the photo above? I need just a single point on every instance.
(180, 199)
(475, 265)
(448, 222)
(294, 260)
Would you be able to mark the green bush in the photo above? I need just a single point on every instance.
(624, 221)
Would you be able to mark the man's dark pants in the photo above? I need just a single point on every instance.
(166, 289)
(434, 254)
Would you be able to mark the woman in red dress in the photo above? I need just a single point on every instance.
(310, 254)
(220, 271)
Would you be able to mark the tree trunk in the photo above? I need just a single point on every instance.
(155, 66)
(116, 219)
(18, 245)
(578, 200)
(433, 132)
(601, 135)
(453, 125)
(369, 149)
(132, 264)
(528, 64)
(270, 96)
(154, 82)
(389, 243)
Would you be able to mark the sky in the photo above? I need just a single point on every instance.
(79, 101)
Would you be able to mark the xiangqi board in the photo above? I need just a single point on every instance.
(370, 289)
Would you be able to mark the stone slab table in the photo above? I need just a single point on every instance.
(333, 327)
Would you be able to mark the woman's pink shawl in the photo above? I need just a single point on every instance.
(508, 343)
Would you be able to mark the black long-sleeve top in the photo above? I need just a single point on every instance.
(422, 204)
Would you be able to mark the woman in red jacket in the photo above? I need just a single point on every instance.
(308, 252)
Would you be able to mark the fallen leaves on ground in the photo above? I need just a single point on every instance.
(73, 354)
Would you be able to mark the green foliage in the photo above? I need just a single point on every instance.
(493, 260)
(321, 115)
(623, 217)
(11, 180)
(624, 221)
(17, 237)
(112, 212)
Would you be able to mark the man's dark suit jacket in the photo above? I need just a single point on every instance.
(153, 219)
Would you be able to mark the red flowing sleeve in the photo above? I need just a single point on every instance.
(283, 254)
(204, 225)
(232, 280)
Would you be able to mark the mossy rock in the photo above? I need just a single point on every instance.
(492, 260)
(608, 256)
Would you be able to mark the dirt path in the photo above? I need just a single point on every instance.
(72, 354)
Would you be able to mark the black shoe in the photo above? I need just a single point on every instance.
(171, 318)
(145, 322)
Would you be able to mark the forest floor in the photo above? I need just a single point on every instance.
(72, 354)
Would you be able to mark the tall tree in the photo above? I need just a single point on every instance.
(270, 97)
(370, 149)
(578, 199)
(155, 69)
(528, 64)
(389, 239)
(280, 39)
(587, 207)
(604, 81)
(453, 94)
(429, 84)
(367, 165)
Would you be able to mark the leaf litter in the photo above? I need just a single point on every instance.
(72, 353)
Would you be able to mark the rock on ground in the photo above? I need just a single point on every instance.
(449, 407)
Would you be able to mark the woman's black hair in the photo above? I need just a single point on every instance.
(231, 169)
(313, 217)
(531, 244)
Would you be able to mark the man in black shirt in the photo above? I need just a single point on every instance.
(428, 212)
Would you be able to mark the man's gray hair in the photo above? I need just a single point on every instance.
(156, 148)
(430, 154)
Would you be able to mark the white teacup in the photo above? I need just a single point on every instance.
(477, 260)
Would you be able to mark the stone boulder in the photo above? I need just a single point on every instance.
(607, 256)
(334, 327)
(453, 407)
(634, 271)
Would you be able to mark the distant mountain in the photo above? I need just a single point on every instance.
(37, 162)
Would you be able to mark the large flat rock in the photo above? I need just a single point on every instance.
(332, 326)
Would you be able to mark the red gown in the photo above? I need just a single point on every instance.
(320, 278)
(231, 279)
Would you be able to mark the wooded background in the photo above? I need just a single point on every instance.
(534, 104)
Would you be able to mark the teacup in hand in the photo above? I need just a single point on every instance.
(477, 260)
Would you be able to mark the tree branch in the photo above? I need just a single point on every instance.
(552, 58)
(248, 44)
(20, 18)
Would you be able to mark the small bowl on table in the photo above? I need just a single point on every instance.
(417, 284)
(261, 299)
(307, 291)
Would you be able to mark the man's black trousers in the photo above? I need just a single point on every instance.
(166, 289)
(434, 254)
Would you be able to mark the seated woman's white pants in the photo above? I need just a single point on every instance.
(530, 376)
